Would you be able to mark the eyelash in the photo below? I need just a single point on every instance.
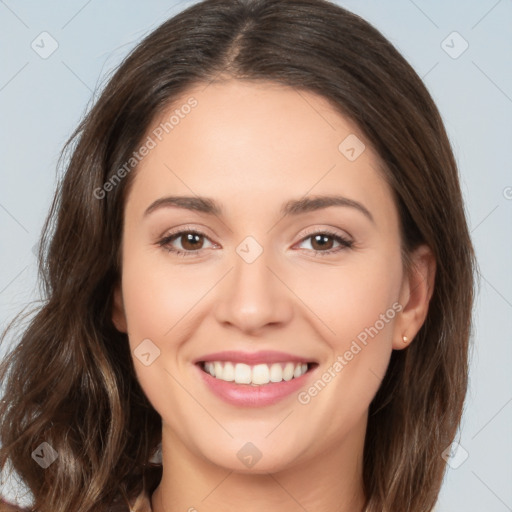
(165, 242)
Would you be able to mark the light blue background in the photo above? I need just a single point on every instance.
(42, 100)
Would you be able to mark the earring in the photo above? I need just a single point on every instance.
(405, 339)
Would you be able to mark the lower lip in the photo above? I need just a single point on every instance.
(247, 395)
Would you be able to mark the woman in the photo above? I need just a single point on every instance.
(257, 260)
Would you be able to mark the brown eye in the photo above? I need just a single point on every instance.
(184, 243)
(323, 242)
(320, 242)
(190, 241)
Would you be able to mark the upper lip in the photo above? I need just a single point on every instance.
(261, 357)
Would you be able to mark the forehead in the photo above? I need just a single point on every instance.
(245, 141)
(256, 121)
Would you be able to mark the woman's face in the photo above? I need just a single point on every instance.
(260, 293)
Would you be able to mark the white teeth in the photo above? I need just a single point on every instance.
(242, 373)
(209, 368)
(288, 371)
(300, 370)
(260, 374)
(228, 372)
(276, 373)
(257, 375)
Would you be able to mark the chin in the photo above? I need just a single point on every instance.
(259, 456)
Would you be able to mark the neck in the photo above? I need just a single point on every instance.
(331, 480)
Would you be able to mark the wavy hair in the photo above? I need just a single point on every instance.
(70, 380)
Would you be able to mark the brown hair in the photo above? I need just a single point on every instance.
(71, 382)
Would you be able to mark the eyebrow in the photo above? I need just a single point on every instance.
(291, 207)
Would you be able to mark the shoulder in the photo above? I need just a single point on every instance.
(142, 503)
(9, 507)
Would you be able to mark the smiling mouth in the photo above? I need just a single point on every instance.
(255, 375)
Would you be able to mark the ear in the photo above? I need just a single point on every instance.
(118, 315)
(415, 295)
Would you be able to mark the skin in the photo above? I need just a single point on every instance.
(251, 147)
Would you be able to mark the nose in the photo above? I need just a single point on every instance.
(254, 295)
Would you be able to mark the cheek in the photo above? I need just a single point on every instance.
(157, 294)
(160, 301)
(358, 308)
(353, 298)
(156, 302)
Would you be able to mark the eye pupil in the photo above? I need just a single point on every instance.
(191, 238)
(321, 239)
